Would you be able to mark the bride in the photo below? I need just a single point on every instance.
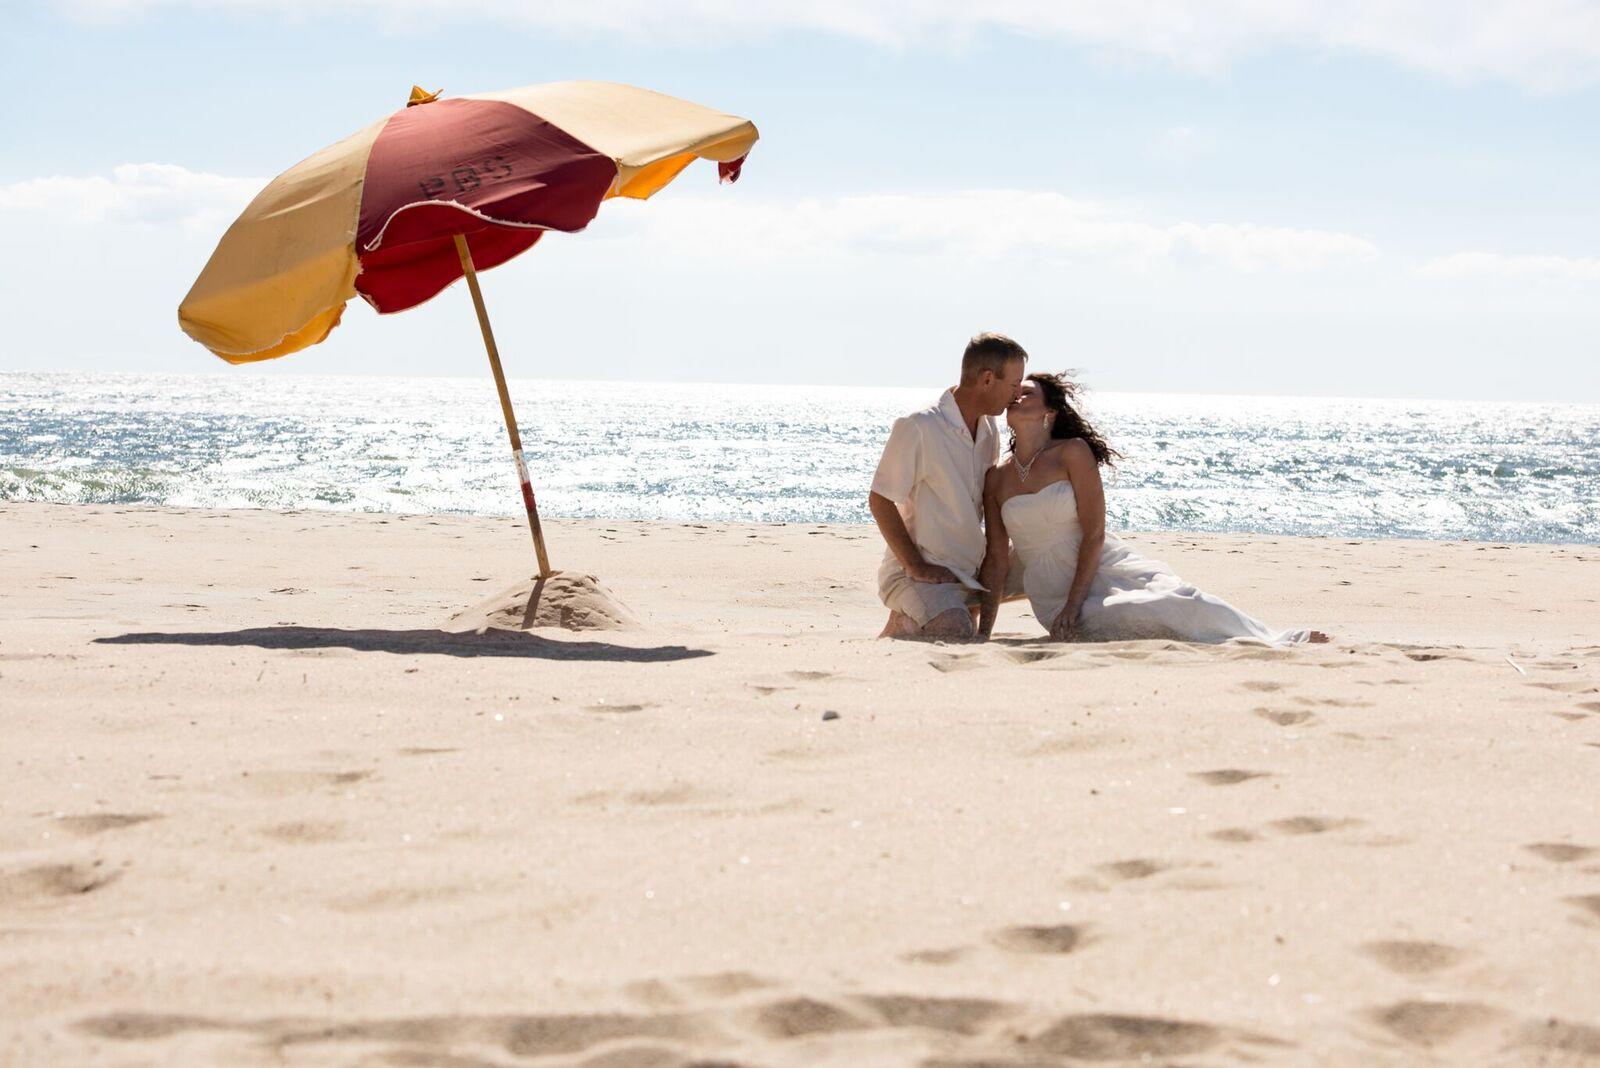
(1046, 497)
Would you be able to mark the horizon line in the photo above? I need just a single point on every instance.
(278, 373)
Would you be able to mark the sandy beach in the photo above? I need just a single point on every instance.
(259, 808)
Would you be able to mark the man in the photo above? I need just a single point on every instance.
(927, 496)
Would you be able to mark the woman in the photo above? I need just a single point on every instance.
(1047, 498)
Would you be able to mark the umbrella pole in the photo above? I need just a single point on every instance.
(505, 405)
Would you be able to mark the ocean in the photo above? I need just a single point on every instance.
(1327, 467)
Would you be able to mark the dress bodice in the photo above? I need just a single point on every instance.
(1045, 523)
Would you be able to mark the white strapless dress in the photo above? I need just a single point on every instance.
(1131, 597)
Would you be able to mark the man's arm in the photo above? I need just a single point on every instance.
(894, 532)
(996, 557)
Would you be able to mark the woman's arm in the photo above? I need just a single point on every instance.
(996, 556)
(1084, 472)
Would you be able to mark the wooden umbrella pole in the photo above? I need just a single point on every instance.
(505, 405)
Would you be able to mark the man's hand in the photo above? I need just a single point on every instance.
(893, 529)
(935, 573)
(1064, 628)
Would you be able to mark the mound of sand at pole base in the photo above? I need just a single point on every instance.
(565, 600)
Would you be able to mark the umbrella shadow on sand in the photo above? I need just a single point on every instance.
(491, 642)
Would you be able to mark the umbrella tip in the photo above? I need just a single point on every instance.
(419, 95)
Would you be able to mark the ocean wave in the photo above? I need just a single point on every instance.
(1294, 466)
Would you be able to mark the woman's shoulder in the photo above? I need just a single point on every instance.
(1067, 450)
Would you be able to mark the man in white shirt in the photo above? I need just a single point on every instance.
(927, 495)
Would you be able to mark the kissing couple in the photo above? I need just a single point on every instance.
(966, 528)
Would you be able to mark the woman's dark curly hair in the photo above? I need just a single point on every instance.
(1058, 392)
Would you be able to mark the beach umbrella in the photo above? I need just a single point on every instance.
(441, 189)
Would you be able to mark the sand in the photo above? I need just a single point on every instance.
(264, 803)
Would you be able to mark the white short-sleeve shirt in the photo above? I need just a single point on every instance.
(933, 471)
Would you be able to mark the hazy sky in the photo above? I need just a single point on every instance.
(1369, 197)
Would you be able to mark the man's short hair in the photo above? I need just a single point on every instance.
(989, 352)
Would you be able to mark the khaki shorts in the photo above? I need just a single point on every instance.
(924, 601)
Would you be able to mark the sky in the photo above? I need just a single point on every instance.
(1318, 197)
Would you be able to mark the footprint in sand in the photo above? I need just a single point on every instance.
(1413, 958)
(938, 957)
(726, 984)
(1287, 719)
(1057, 939)
(421, 750)
(1552, 1035)
(676, 794)
(1261, 686)
(1423, 656)
(1570, 716)
(1333, 702)
(1228, 776)
(305, 832)
(289, 783)
(1235, 834)
(1567, 687)
(539, 1036)
(1137, 868)
(674, 992)
(1166, 653)
(142, 1026)
(1560, 852)
(1106, 1037)
(1304, 825)
(801, 1016)
(1031, 656)
(101, 822)
(398, 897)
(54, 881)
(956, 1016)
(621, 708)
(1078, 743)
(948, 662)
(809, 676)
(1431, 1023)
(1589, 903)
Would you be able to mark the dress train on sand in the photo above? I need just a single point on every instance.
(1131, 597)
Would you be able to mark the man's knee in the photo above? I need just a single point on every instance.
(954, 623)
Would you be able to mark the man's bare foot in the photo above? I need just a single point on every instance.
(1319, 638)
(898, 625)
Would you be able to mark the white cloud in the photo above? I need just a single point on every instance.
(139, 194)
(1542, 45)
(1503, 265)
(981, 225)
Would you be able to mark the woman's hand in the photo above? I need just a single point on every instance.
(1064, 628)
